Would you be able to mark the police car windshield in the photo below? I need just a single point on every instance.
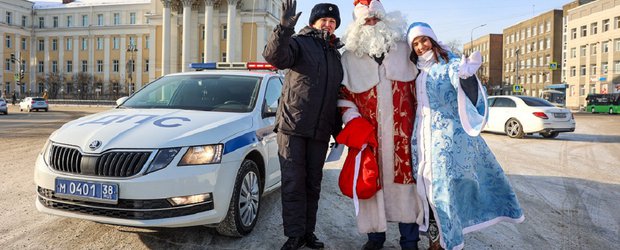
(224, 93)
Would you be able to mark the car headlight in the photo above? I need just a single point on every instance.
(162, 159)
(201, 155)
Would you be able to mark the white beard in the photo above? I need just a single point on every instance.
(374, 40)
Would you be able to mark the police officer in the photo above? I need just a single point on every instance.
(307, 114)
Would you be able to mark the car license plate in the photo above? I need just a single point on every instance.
(87, 190)
(559, 115)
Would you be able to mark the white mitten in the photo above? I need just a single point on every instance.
(469, 66)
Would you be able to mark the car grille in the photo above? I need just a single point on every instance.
(110, 164)
(125, 209)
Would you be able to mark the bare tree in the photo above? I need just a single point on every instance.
(82, 81)
(455, 46)
(53, 84)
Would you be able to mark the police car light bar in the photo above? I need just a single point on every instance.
(259, 65)
(203, 66)
(236, 65)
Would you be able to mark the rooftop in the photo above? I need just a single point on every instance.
(56, 4)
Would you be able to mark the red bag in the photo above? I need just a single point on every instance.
(359, 135)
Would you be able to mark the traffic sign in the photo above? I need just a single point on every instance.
(517, 88)
(553, 66)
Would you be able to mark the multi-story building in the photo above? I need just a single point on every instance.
(532, 53)
(114, 47)
(565, 34)
(491, 49)
(593, 44)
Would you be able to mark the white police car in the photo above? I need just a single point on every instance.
(188, 149)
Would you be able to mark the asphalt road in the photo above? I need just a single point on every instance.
(569, 188)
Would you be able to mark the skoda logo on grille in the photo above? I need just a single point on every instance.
(95, 145)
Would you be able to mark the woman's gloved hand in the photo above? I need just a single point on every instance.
(469, 65)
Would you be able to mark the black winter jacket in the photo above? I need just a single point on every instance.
(307, 106)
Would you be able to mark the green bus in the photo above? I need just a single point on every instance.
(603, 103)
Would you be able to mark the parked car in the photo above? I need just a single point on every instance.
(33, 103)
(188, 149)
(520, 115)
(4, 109)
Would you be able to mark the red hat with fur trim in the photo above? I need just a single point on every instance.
(368, 8)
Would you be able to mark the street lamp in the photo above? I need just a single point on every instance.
(471, 37)
(130, 67)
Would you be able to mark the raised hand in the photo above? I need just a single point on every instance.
(289, 18)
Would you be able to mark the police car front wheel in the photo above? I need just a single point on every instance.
(244, 203)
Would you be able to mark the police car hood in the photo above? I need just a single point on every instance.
(151, 129)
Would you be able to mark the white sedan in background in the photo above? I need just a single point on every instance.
(188, 149)
(519, 115)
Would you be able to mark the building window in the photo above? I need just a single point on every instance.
(9, 18)
(146, 65)
(7, 64)
(604, 68)
(132, 41)
(84, 43)
(99, 66)
(573, 71)
(541, 44)
(146, 42)
(24, 21)
(84, 20)
(41, 22)
(54, 66)
(582, 90)
(605, 25)
(117, 18)
(132, 18)
(115, 43)
(99, 43)
(593, 69)
(69, 21)
(224, 32)
(99, 19)
(55, 22)
(84, 66)
(593, 28)
(616, 67)
(223, 56)
(8, 41)
(54, 44)
(24, 44)
(40, 67)
(69, 44)
(41, 45)
(582, 70)
(548, 26)
(69, 67)
(548, 43)
(605, 47)
(115, 65)
(584, 31)
(573, 52)
(617, 22)
(617, 45)
(582, 50)
(593, 49)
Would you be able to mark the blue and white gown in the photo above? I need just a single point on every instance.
(463, 183)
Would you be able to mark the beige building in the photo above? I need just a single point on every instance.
(593, 50)
(491, 49)
(532, 53)
(114, 47)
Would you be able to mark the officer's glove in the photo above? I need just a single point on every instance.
(288, 19)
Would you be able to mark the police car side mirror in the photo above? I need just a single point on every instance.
(268, 111)
(121, 100)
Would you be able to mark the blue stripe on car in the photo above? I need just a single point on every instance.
(239, 142)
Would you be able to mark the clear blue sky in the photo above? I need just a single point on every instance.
(450, 19)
